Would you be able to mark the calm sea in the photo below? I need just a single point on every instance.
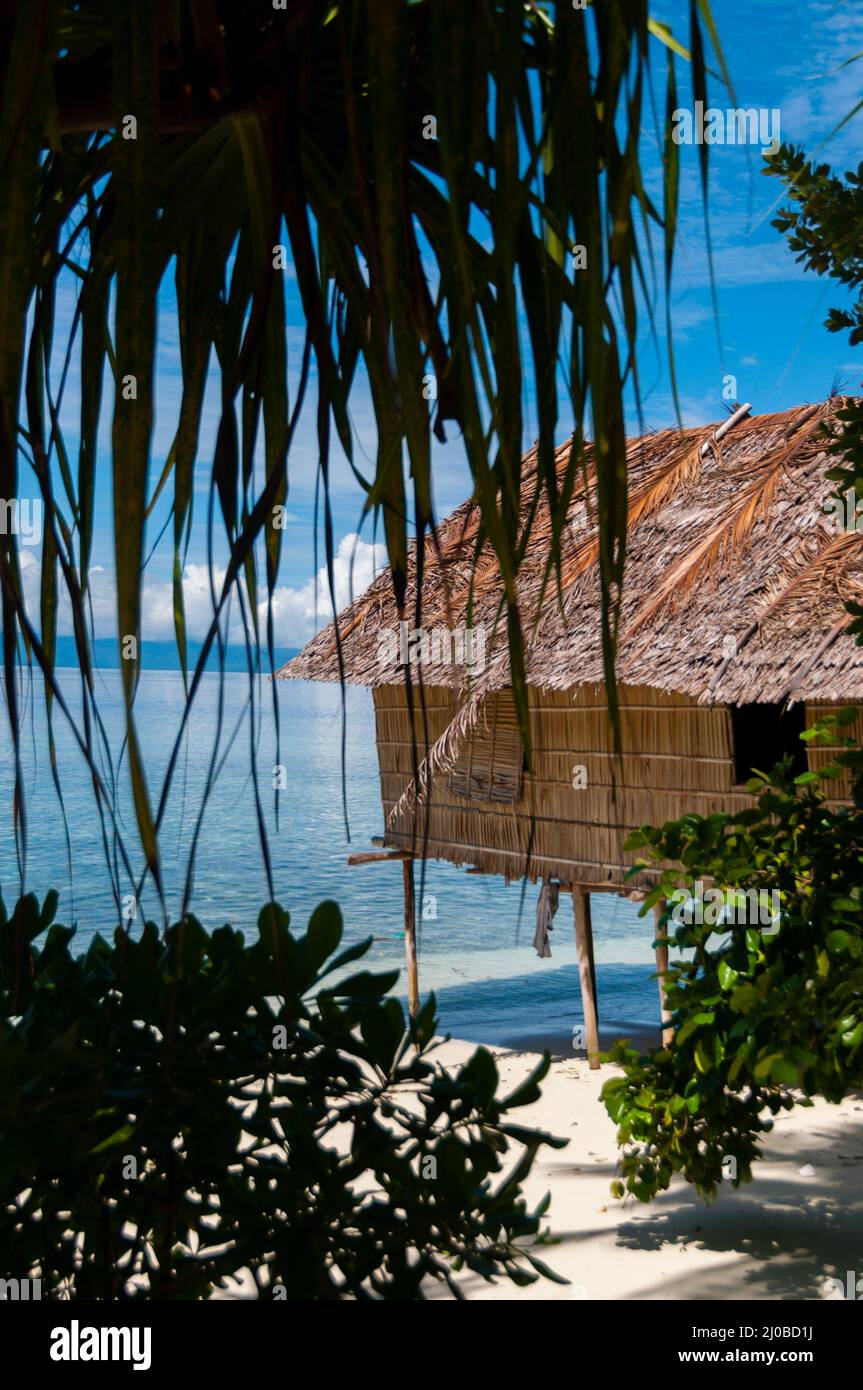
(476, 933)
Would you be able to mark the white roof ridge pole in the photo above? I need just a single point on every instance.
(725, 427)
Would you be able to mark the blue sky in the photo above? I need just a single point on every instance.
(770, 314)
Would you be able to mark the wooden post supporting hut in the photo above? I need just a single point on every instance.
(378, 856)
(583, 942)
(411, 939)
(661, 967)
(586, 970)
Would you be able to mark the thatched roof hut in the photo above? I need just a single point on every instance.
(733, 635)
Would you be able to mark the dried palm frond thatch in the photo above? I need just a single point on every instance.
(734, 578)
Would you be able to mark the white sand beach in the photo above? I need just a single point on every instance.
(778, 1238)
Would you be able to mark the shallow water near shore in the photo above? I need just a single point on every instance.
(475, 934)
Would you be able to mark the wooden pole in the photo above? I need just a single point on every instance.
(725, 427)
(662, 966)
(586, 970)
(411, 939)
(377, 856)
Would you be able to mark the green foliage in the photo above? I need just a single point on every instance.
(335, 1159)
(824, 227)
(763, 1018)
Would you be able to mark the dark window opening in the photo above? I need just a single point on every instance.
(763, 734)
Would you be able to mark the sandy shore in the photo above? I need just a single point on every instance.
(778, 1238)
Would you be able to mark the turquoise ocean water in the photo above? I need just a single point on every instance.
(476, 933)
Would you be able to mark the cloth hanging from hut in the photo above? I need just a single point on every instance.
(546, 907)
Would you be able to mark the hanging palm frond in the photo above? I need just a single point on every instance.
(421, 169)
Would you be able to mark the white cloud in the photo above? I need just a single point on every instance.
(298, 612)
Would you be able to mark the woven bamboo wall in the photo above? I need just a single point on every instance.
(678, 757)
(821, 753)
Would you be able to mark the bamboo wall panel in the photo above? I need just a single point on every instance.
(820, 754)
(678, 758)
(489, 766)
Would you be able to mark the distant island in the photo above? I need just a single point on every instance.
(162, 656)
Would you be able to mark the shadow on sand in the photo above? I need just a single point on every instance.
(783, 1235)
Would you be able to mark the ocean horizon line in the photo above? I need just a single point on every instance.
(162, 655)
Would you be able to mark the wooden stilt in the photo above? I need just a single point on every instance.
(662, 966)
(586, 970)
(411, 939)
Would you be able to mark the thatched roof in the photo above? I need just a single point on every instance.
(734, 591)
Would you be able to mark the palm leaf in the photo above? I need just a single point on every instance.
(411, 255)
